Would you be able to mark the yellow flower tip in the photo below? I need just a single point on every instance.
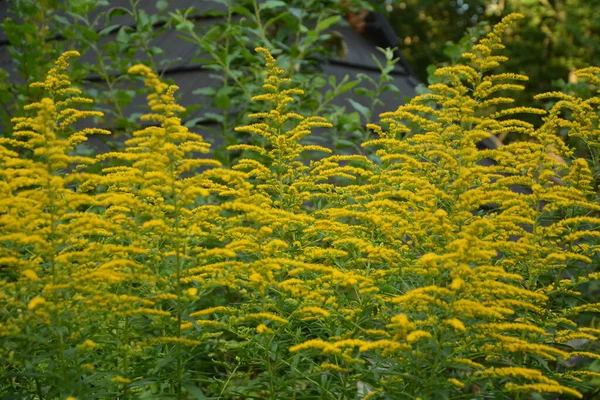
(266, 54)
(456, 324)
(550, 387)
(314, 312)
(139, 69)
(191, 292)
(262, 328)
(440, 213)
(456, 284)
(417, 335)
(35, 302)
(333, 367)
(71, 53)
(456, 382)
(30, 274)
(71, 398)
(120, 379)
(513, 17)
(87, 345)
(46, 103)
(62, 62)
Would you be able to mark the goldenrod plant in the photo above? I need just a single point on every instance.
(431, 270)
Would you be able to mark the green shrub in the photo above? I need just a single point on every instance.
(420, 273)
(217, 40)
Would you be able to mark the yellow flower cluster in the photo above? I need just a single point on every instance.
(428, 258)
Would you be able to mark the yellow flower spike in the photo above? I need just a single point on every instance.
(456, 382)
(270, 61)
(313, 311)
(88, 344)
(333, 367)
(30, 274)
(281, 177)
(456, 324)
(417, 335)
(56, 82)
(263, 329)
(457, 283)
(542, 388)
(313, 344)
(36, 302)
(121, 380)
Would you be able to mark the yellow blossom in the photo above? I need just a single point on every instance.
(456, 382)
(36, 302)
(88, 344)
(120, 379)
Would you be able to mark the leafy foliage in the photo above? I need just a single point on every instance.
(421, 272)
(557, 37)
(216, 37)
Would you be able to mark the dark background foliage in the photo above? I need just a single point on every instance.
(556, 37)
(207, 49)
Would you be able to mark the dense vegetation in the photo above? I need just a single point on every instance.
(426, 268)
(556, 38)
(219, 36)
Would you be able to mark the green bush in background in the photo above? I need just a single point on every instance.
(302, 31)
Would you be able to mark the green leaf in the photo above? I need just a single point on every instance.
(453, 51)
(366, 78)
(212, 35)
(194, 391)
(346, 87)
(89, 34)
(211, 116)
(117, 12)
(123, 37)
(205, 91)
(296, 12)
(390, 88)
(162, 4)
(376, 60)
(106, 31)
(193, 122)
(290, 22)
(345, 144)
(222, 99)
(62, 20)
(327, 22)
(269, 4)
(155, 50)
(431, 77)
(242, 11)
(361, 91)
(329, 95)
(364, 111)
(144, 20)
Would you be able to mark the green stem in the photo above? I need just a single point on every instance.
(52, 261)
(220, 62)
(272, 391)
(144, 41)
(179, 372)
(38, 389)
(259, 23)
